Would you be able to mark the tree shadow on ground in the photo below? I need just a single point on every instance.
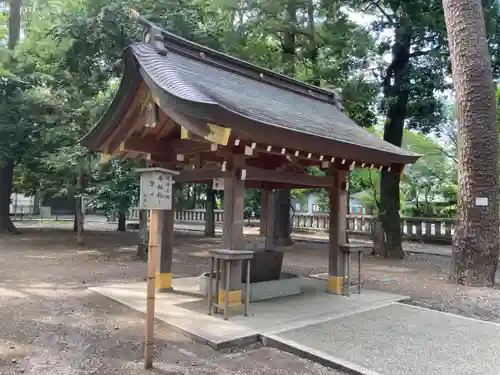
(88, 333)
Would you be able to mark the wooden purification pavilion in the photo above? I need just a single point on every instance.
(182, 105)
(209, 115)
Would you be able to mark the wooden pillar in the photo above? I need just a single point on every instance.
(342, 216)
(154, 223)
(263, 211)
(210, 212)
(166, 237)
(335, 256)
(234, 207)
(232, 233)
(271, 221)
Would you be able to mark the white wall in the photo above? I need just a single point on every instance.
(21, 204)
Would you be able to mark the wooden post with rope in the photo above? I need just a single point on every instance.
(151, 287)
(156, 195)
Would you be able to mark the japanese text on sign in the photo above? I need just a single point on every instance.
(156, 190)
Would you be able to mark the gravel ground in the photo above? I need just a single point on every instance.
(51, 324)
(423, 277)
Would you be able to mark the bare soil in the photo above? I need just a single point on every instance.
(51, 324)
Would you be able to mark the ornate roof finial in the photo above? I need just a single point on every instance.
(152, 34)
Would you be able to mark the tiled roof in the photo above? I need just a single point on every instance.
(198, 81)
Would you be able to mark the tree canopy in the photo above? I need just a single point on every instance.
(391, 72)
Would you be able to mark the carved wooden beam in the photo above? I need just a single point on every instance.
(252, 173)
(166, 128)
(153, 145)
(254, 184)
(291, 165)
(201, 174)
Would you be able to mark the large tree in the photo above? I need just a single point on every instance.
(475, 250)
(6, 154)
(413, 32)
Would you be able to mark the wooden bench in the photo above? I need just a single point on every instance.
(348, 250)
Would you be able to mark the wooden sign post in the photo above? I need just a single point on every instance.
(155, 195)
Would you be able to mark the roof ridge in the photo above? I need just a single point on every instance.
(237, 65)
(263, 74)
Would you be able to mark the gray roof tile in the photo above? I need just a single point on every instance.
(196, 81)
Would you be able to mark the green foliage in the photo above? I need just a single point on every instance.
(63, 74)
(420, 25)
(431, 179)
(252, 201)
(116, 185)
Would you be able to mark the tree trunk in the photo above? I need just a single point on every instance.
(7, 166)
(475, 247)
(288, 53)
(36, 204)
(282, 229)
(283, 196)
(378, 238)
(122, 221)
(396, 94)
(195, 196)
(142, 244)
(79, 214)
(312, 47)
(389, 214)
(80, 219)
(210, 213)
(14, 23)
(6, 174)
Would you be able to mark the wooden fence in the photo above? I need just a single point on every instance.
(412, 228)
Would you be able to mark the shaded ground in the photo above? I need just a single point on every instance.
(51, 324)
(99, 222)
(421, 276)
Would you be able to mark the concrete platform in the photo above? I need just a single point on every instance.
(399, 339)
(186, 310)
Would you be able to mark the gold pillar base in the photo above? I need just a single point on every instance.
(336, 285)
(235, 297)
(164, 280)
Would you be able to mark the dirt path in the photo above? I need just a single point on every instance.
(298, 235)
(50, 323)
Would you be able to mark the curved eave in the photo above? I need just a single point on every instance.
(218, 114)
(119, 106)
(257, 130)
(206, 111)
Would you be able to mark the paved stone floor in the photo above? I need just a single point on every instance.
(368, 332)
(399, 339)
(188, 313)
